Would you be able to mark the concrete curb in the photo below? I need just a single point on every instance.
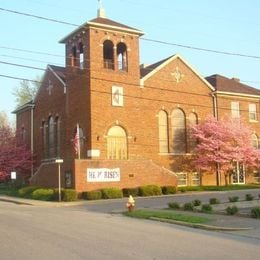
(201, 226)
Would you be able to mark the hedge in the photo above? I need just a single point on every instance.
(150, 190)
(42, 194)
(169, 189)
(92, 195)
(130, 191)
(111, 193)
(26, 192)
(69, 195)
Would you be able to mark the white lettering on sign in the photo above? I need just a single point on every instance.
(103, 175)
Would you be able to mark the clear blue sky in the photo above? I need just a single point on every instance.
(224, 25)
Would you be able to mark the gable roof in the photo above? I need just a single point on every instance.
(224, 84)
(105, 23)
(60, 71)
(26, 106)
(150, 70)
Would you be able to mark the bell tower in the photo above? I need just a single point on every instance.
(104, 47)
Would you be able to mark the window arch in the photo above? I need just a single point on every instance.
(73, 56)
(57, 136)
(163, 132)
(51, 138)
(108, 54)
(122, 56)
(254, 141)
(81, 55)
(116, 143)
(178, 131)
(193, 120)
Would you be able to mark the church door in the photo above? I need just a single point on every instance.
(116, 143)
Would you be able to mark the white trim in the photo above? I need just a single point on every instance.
(115, 27)
(176, 56)
(236, 94)
(58, 77)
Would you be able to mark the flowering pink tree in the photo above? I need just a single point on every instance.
(222, 144)
(14, 156)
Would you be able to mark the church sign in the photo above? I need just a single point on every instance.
(103, 175)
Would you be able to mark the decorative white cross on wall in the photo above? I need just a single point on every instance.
(49, 87)
(177, 75)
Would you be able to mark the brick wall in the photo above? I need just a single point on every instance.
(134, 173)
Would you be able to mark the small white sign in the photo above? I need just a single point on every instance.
(13, 175)
(94, 153)
(117, 96)
(103, 175)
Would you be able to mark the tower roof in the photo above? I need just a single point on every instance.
(103, 23)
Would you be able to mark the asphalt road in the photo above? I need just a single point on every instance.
(162, 201)
(31, 232)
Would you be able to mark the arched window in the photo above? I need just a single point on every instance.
(178, 131)
(108, 55)
(163, 132)
(121, 56)
(193, 120)
(81, 55)
(73, 56)
(57, 138)
(116, 143)
(254, 141)
(51, 138)
(44, 140)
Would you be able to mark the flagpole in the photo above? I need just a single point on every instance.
(78, 140)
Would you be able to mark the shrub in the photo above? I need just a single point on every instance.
(255, 212)
(56, 194)
(130, 191)
(92, 195)
(196, 202)
(26, 192)
(182, 190)
(150, 190)
(69, 195)
(233, 199)
(213, 201)
(249, 197)
(188, 206)
(206, 208)
(42, 194)
(174, 205)
(169, 190)
(232, 210)
(111, 193)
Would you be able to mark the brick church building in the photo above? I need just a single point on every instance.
(134, 121)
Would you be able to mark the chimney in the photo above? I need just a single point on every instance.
(236, 80)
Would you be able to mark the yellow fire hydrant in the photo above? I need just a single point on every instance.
(130, 203)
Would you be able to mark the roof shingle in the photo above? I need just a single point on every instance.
(221, 83)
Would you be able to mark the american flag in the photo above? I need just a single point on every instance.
(75, 141)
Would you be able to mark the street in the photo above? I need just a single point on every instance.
(32, 232)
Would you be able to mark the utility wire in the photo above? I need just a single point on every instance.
(145, 39)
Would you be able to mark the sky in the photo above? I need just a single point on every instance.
(231, 26)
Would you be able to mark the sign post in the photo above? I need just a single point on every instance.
(59, 161)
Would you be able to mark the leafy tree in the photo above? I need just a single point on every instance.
(14, 156)
(26, 91)
(222, 144)
(3, 119)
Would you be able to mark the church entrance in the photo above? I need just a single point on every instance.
(116, 143)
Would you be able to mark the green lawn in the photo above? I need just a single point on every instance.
(166, 214)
